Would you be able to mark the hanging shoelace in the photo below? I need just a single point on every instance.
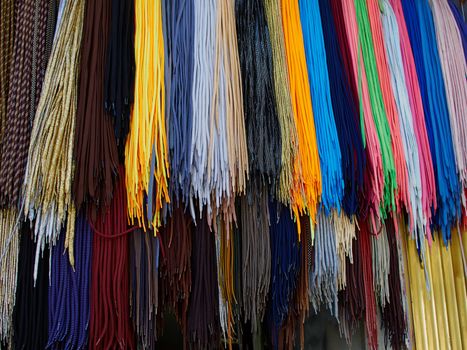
(352, 298)
(371, 327)
(146, 151)
(119, 76)
(178, 20)
(393, 314)
(144, 286)
(68, 294)
(380, 116)
(9, 248)
(392, 115)
(228, 114)
(326, 133)
(422, 38)
(175, 269)
(203, 90)
(461, 24)
(285, 267)
(7, 34)
(380, 266)
(417, 220)
(323, 276)
(289, 137)
(418, 117)
(203, 307)
(48, 177)
(255, 268)
(307, 186)
(345, 115)
(27, 69)
(224, 256)
(347, 33)
(300, 304)
(30, 316)
(454, 68)
(95, 148)
(110, 324)
(261, 118)
(345, 230)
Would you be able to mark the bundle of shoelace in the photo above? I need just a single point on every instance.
(7, 34)
(110, 323)
(95, 148)
(175, 266)
(454, 70)
(422, 38)
(27, 67)
(323, 115)
(49, 173)
(30, 317)
(261, 118)
(178, 20)
(289, 138)
(347, 34)
(380, 115)
(352, 298)
(8, 269)
(402, 192)
(461, 24)
(69, 291)
(120, 69)
(393, 313)
(146, 151)
(306, 188)
(144, 286)
(285, 267)
(416, 212)
(203, 307)
(345, 115)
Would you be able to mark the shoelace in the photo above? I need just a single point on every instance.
(289, 137)
(352, 298)
(454, 68)
(7, 31)
(363, 238)
(326, 133)
(461, 24)
(345, 115)
(144, 286)
(347, 34)
(120, 69)
(146, 150)
(285, 267)
(418, 116)
(30, 316)
(417, 219)
(110, 324)
(203, 307)
(8, 270)
(178, 21)
(69, 290)
(422, 38)
(392, 115)
(27, 69)
(95, 147)
(255, 255)
(48, 178)
(307, 185)
(175, 266)
(393, 313)
(380, 116)
(261, 118)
